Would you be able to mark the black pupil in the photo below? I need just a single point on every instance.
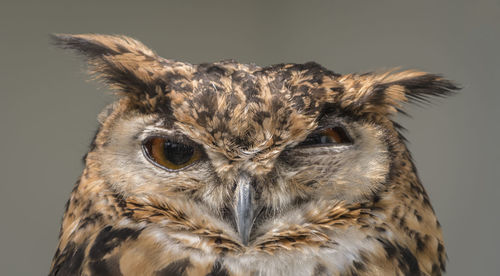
(177, 153)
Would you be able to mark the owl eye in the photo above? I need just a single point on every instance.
(327, 136)
(170, 154)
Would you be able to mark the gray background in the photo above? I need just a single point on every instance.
(48, 108)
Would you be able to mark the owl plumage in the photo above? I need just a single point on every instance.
(234, 169)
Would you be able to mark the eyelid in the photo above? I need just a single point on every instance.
(160, 132)
(338, 124)
(338, 134)
(172, 135)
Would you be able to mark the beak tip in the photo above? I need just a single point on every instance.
(244, 227)
(244, 211)
(244, 241)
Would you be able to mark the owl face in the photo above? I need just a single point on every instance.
(253, 159)
(244, 142)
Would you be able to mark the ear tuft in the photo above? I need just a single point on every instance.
(125, 64)
(422, 88)
(383, 93)
(95, 45)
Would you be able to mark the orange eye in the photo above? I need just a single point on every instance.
(169, 154)
(327, 136)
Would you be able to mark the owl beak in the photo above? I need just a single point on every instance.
(244, 207)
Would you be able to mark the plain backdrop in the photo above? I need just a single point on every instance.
(48, 107)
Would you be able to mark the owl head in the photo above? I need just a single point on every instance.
(267, 156)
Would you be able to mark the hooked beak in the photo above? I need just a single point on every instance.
(244, 206)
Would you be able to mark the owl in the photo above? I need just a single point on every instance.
(235, 169)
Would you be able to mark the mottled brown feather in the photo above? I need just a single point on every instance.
(331, 216)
